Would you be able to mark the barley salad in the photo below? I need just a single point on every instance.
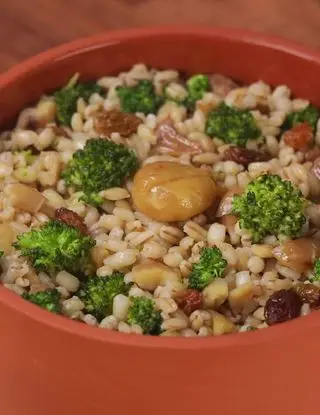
(157, 203)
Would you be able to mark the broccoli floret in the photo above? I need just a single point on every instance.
(139, 98)
(49, 299)
(310, 114)
(197, 85)
(270, 205)
(211, 266)
(98, 293)
(100, 165)
(316, 271)
(1, 253)
(66, 99)
(142, 311)
(232, 125)
(56, 246)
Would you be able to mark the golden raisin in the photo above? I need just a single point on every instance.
(308, 293)
(108, 122)
(299, 137)
(189, 300)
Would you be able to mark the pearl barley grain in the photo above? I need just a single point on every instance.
(121, 305)
(255, 264)
(216, 233)
(109, 322)
(68, 281)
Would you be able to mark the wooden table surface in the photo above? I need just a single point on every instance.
(28, 27)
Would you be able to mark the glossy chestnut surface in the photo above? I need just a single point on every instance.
(171, 192)
(52, 365)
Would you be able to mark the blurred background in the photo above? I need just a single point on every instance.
(29, 27)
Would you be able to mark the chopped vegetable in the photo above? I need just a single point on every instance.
(98, 293)
(139, 98)
(49, 299)
(197, 86)
(211, 266)
(142, 311)
(100, 165)
(270, 205)
(56, 246)
(232, 125)
(310, 115)
(66, 99)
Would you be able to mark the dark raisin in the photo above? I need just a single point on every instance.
(244, 156)
(281, 306)
(71, 218)
(308, 293)
(263, 108)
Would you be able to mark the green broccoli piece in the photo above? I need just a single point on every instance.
(66, 98)
(139, 98)
(100, 165)
(211, 266)
(98, 293)
(197, 85)
(316, 271)
(49, 299)
(142, 311)
(310, 114)
(270, 205)
(1, 253)
(232, 125)
(56, 246)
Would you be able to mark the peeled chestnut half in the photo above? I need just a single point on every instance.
(170, 192)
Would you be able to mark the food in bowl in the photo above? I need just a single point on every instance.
(152, 203)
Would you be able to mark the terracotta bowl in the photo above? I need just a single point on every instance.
(51, 365)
